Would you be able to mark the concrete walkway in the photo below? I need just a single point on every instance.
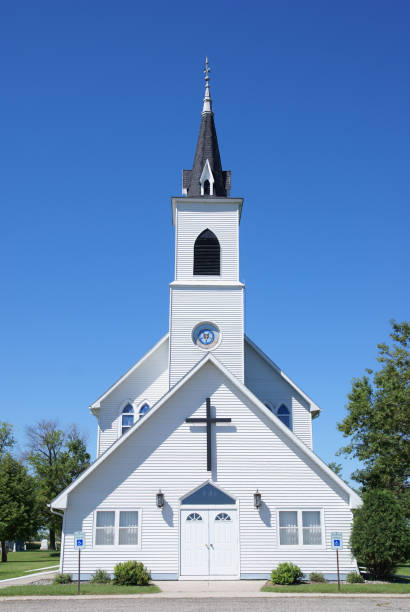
(20, 580)
(210, 588)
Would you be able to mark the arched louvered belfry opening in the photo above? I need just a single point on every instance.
(207, 254)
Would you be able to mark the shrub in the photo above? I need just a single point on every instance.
(317, 577)
(354, 577)
(101, 577)
(380, 535)
(131, 572)
(32, 545)
(62, 578)
(286, 573)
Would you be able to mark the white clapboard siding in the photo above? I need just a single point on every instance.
(192, 220)
(148, 382)
(222, 306)
(168, 454)
(272, 389)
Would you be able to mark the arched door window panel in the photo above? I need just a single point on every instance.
(144, 409)
(194, 516)
(127, 418)
(283, 414)
(208, 495)
(207, 254)
(222, 516)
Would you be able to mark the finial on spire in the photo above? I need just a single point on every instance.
(207, 108)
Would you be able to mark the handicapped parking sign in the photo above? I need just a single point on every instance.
(336, 539)
(79, 540)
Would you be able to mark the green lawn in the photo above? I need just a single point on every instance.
(71, 589)
(404, 570)
(19, 562)
(345, 588)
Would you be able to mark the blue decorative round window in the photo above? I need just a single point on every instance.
(206, 335)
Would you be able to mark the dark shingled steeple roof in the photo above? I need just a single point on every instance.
(207, 149)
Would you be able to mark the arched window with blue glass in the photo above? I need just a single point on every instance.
(127, 418)
(143, 409)
(283, 413)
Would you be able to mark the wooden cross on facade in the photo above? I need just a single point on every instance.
(208, 421)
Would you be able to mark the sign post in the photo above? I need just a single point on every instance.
(79, 544)
(336, 538)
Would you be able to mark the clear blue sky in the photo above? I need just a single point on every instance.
(100, 107)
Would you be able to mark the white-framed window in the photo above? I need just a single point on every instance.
(284, 414)
(127, 418)
(143, 409)
(118, 528)
(300, 528)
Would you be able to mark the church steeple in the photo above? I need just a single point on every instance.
(207, 177)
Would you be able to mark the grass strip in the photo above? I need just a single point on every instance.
(332, 588)
(71, 589)
(18, 563)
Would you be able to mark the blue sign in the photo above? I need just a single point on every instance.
(79, 540)
(336, 539)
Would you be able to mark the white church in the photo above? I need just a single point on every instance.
(205, 466)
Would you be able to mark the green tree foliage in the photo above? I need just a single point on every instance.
(378, 420)
(335, 467)
(380, 536)
(56, 457)
(6, 437)
(19, 508)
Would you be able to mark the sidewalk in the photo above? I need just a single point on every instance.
(27, 579)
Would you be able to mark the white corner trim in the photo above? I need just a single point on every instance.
(313, 406)
(355, 501)
(95, 406)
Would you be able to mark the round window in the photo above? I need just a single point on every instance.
(206, 335)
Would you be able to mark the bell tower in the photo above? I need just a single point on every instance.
(206, 297)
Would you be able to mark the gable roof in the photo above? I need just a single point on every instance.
(314, 408)
(95, 406)
(61, 500)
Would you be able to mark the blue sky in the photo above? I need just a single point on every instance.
(100, 108)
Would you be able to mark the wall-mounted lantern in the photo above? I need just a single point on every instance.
(160, 499)
(257, 499)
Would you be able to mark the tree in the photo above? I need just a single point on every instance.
(335, 467)
(380, 535)
(57, 457)
(19, 509)
(378, 420)
(6, 437)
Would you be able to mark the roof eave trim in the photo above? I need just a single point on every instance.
(95, 406)
(204, 200)
(63, 495)
(354, 498)
(314, 408)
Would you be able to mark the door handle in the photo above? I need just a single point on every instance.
(211, 545)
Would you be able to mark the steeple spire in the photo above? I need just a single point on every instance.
(207, 108)
(206, 177)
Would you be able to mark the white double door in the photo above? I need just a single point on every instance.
(209, 543)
